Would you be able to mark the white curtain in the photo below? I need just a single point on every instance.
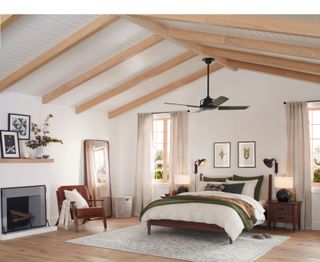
(298, 159)
(178, 145)
(143, 174)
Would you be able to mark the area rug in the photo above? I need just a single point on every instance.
(190, 245)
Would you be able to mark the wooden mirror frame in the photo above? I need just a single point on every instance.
(95, 193)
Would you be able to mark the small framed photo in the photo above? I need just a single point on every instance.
(21, 124)
(221, 154)
(9, 144)
(247, 154)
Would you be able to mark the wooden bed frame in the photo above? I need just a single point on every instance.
(196, 225)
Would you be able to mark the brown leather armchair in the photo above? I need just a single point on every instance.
(92, 211)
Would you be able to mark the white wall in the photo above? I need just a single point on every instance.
(68, 158)
(264, 122)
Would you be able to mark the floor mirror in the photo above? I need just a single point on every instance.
(97, 171)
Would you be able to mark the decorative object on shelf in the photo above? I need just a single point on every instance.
(197, 163)
(41, 138)
(284, 183)
(247, 154)
(269, 163)
(221, 154)
(9, 144)
(183, 181)
(21, 124)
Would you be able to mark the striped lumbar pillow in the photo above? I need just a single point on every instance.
(233, 188)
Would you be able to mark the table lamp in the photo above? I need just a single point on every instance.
(183, 181)
(284, 182)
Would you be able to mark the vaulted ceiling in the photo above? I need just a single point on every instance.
(116, 63)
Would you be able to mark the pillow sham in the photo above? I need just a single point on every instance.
(75, 196)
(233, 188)
(216, 179)
(249, 186)
(213, 187)
(257, 190)
(201, 185)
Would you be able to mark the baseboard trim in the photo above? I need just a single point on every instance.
(28, 232)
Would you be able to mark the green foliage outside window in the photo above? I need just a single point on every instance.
(316, 170)
(158, 170)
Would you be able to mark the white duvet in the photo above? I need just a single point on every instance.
(223, 216)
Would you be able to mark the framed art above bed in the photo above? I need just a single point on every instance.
(221, 154)
(247, 154)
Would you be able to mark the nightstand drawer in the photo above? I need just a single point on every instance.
(281, 209)
(286, 218)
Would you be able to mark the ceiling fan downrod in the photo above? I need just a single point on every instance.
(208, 61)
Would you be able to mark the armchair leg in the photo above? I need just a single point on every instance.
(76, 225)
(104, 218)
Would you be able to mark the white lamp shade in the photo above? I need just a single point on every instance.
(182, 180)
(283, 182)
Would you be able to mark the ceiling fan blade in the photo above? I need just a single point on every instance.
(198, 111)
(232, 107)
(181, 105)
(220, 100)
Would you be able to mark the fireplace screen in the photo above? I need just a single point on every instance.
(23, 208)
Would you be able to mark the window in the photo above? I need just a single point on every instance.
(161, 147)
(314, 121)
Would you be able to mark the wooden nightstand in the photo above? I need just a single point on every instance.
(285, 212)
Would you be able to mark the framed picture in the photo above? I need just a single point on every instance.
(20, 124)
(221, 154)
(246, 154)
(9, 144)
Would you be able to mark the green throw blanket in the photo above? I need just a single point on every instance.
(248, 222)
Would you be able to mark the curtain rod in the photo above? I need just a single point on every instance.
(310, 101)
(167, 112)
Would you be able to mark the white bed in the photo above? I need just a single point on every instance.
(220, 215)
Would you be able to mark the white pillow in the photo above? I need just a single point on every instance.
(75, 196)
(249, 186)
(201, 185)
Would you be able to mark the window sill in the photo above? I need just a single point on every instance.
(315, 184)
(160, 182)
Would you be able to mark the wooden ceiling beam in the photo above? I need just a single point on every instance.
(57, 50)
(276, 71)
(106, 65)
(225, 63)
(6, 20)
(248, 43)
(135, 81)
(265, 23)
(277, 62)
(162, 91)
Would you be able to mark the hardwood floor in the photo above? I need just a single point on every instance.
(302, 246)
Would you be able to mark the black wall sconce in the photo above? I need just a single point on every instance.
(269, 163)
(197, 163)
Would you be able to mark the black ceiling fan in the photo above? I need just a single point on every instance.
(209, 103)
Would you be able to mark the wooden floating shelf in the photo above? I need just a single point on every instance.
(26, 160)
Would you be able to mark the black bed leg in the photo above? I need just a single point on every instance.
(149, 228)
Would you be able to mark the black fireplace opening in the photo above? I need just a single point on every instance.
(23, 208)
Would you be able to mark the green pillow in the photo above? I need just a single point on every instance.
(258, 186)
(216, 179)
(233, 188)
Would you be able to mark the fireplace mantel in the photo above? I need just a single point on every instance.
(25, 160)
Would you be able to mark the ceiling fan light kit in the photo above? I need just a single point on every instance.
(209, 103)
